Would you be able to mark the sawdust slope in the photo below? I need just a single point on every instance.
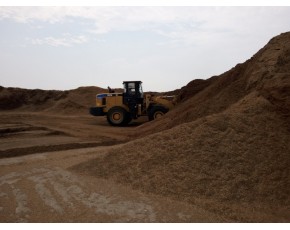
(229, 150)
(267, 72)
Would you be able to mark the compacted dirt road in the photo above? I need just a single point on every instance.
(26, 133)
(37, 183)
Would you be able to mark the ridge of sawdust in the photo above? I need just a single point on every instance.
(75, 101)
(227, 148)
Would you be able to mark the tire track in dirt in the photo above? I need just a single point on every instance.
(14, 152)
(63, 194)
(44, 188)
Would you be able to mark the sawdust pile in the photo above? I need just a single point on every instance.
(75, 101)
(266, 73)
(226, 147)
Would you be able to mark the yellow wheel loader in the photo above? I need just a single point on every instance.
(121, 108)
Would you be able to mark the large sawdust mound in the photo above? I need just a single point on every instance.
(267, 73)
(226, 147)
(75, 101)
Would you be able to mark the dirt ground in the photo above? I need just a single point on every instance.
(37, 184)
(26, 133)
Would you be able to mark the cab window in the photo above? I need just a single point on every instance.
(131, 88)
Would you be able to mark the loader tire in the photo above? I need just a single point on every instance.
(156, 112)
(128, 118)
(118, 116)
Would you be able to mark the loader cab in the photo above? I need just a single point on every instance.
(133, 97)
(133, 92)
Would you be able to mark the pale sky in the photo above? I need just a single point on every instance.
(165, 47)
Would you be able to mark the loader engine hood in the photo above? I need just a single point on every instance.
(101, 95)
